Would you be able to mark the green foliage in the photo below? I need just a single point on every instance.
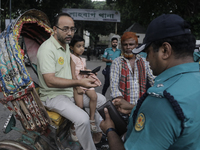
(101, 5)
(49, 7)
(95, 28)
(143, 11)
(140, 11)
(110, 1)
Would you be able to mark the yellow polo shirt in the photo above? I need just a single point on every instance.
(53, 58)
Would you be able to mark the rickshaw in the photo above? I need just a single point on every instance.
(42, 129)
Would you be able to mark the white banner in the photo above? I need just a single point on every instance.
(93, 14)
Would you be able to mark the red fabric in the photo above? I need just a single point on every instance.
(32, 48)
(125, 81)
(142, 80)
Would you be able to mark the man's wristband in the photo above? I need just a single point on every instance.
(110, 129)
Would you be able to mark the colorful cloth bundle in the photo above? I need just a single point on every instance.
(13, 73)
(15, 81)
(33, 26)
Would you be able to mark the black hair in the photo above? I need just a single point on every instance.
(182, 45)
(114, 38)
(56, 19)
(75, 39)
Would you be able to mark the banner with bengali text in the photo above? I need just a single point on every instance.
(93, 14)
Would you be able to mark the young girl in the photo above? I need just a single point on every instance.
(78, 63)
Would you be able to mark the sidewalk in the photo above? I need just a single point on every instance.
(4, 112)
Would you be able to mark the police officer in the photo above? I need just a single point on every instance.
(109, 55)
(167, 116)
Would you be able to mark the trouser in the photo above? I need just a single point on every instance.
(66, 107)
(88, 57)
(107, 80)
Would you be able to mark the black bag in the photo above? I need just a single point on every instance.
(120, 123)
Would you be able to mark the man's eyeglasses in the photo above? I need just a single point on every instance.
(67, 29)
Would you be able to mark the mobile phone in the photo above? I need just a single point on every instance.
(85, 72)
(96, 69)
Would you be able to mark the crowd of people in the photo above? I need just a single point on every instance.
(157, 93)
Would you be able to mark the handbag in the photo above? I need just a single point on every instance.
(120, 123)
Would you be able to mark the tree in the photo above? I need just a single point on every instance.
(47, 6)
(143, 11)
(95, 28)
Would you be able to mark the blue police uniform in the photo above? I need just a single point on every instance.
(111, 55)
(143, 54)
(169, 115)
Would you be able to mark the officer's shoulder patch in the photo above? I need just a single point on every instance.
(61, 60)
(139, 125)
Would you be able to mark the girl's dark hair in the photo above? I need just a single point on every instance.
(182, 45)
(75, 39)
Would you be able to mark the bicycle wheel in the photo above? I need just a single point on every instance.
(13, 145)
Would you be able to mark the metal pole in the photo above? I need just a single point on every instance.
(10, 11)
(0, 16)
(116, 28)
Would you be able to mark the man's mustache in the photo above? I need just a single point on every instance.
(68, 37)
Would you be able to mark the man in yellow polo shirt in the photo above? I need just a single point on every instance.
(56, 83)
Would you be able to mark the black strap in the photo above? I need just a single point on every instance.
(177, 108)
(175, 105)
(139, 104)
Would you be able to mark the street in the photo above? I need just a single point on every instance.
(4, 112)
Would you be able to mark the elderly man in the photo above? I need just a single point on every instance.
(130, 72)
